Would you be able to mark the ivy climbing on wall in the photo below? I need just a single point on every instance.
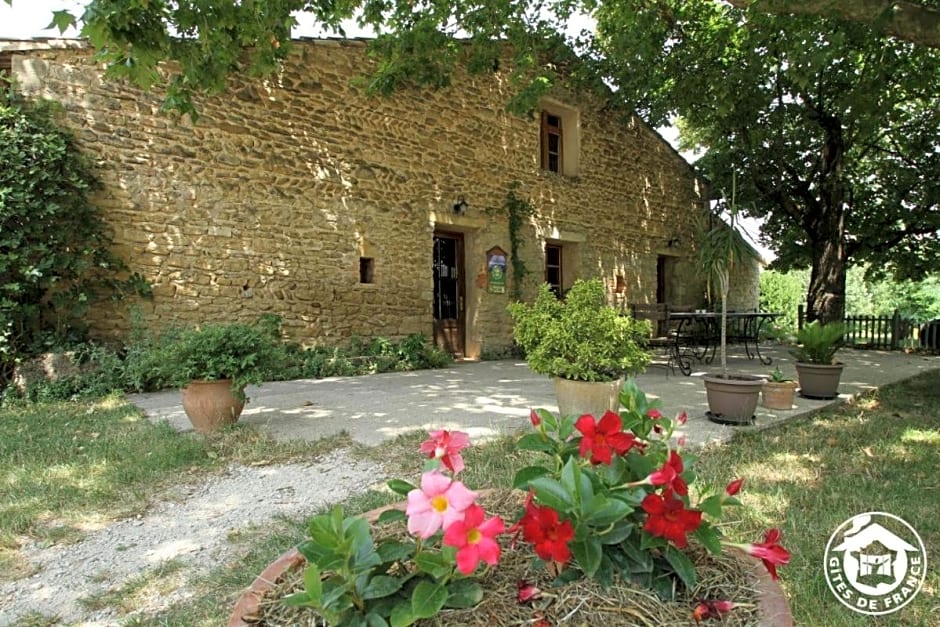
(517, 211)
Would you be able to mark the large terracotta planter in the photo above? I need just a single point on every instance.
(732, 400)
(576, 398)
(774, 608)
(211, 404)
(820, 381)
(778, 394)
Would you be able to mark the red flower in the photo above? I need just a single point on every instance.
(734, 487)
(770, 552)
(653, 414)
(603, 439)
(534, 418)
(446, 446)
(526, 591)
(711, 609)
(669, 519)
(669, 475)
(682, 418)
(541, 528)
(474, 539)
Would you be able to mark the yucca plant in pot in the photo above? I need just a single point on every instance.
(732, 399)
(213, 364)
(583, 343)
(816, 368)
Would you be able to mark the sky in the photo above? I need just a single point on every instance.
(29, 18)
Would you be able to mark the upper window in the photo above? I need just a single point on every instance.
(551, 142)
(560, 140)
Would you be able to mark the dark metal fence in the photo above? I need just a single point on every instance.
(886, 332)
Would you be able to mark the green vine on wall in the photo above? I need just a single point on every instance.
(517, 211)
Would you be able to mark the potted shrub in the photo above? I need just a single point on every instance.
(732, 399)
(778, 391)
(583, 343)
(213, 363)
(816, 367)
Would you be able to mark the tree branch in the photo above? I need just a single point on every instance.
(905, 19)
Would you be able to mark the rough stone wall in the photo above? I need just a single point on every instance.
(266, 204)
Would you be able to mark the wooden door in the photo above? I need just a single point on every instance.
(449, 320)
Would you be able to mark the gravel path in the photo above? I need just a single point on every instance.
(193, 530)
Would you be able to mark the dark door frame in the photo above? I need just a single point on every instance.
(450, 333)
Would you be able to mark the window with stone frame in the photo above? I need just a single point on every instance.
(552, 138)
(559, 138)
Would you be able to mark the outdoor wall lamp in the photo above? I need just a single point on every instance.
(460, 207)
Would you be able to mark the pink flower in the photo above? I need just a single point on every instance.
(653, 414)
(446, 446)
(682, 441)
(440, 502)
(682, 418)
(711, 609)
(474, 539)
(669, 475)
(734, 487)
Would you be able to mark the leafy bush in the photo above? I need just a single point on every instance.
(582, 338)
(54, 258)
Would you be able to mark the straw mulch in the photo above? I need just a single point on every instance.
(582, 603)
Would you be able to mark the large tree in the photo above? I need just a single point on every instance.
(832, 127)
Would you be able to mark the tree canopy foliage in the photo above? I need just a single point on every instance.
(832, 127)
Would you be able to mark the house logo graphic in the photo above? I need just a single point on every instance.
(875, 563)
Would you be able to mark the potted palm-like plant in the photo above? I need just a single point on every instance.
(213, 364)
(816, 368)
(583, 342)
(732, 399)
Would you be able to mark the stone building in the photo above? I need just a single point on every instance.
(349, 215)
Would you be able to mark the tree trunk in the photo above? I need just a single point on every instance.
(825, 299)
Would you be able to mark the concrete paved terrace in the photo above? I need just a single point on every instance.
(494, 397)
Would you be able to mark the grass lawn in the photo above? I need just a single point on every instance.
(879, 454)
(69, 467)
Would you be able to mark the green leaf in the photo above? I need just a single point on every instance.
(463, 593)
(433, 564)
(393, 550)
(710, 538)
(548, 419)
(382, 586)
(375, 620)
(526, 475)
(618, 534)
(588, 554)
(299, 599)
(399, 486)
(62, 20)
(401, 615)
(683, 566)
(391, 515)
(569, 477)
(312, 583)
(427, 599)
(535, 442)
(711, 506)
(605, 511)
(552, 494)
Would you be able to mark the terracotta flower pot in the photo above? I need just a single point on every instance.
(211, 404)
(733, 400)
(773, 605)
(778, 394)
(576, 398)
(819, 381)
